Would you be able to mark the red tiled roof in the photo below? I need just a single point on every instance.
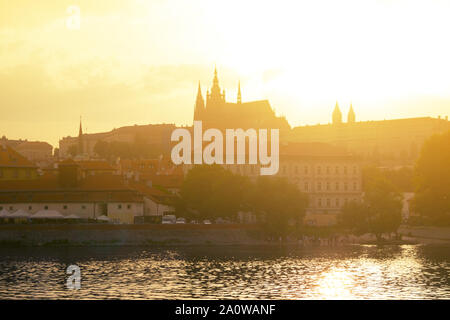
(155, 194)
(95, 165)
(50, 182)
(11, 158)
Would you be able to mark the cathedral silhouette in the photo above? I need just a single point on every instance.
(218, 113)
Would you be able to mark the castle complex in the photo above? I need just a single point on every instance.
(218, 113)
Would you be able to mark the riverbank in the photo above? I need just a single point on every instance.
(189, 235)
(425, 235)
(128, 235)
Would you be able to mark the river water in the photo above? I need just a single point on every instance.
(351, 272)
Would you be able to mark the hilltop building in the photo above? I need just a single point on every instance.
(218, 113)
(35, 151)
(156, 136)
(389, 142)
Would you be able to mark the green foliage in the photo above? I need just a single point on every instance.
(379, 213)
(432, 178)
(401, 178)
(73, 150)
(277, 202)
(210, 191)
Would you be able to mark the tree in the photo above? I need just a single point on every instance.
(432, 179)
(210, 191)
(101, 148)
(277, 203)
(379, 213)
(72, 150)
(354, 217)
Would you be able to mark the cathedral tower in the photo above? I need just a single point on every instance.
(239, 97)
(80, 140)
(351, 115)
(337, 115)
(215, 97)
(199, 105)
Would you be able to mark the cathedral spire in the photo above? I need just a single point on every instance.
(351, 115)
(216, 96)
(199, 104)
(80, 139)
(337, 115)
(239, 97)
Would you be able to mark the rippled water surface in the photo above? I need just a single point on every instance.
(354, 272)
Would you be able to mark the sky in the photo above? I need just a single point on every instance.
(127, 62)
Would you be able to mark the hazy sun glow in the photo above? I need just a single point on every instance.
(389, 58)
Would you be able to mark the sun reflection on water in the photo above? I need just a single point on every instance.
(355, 272)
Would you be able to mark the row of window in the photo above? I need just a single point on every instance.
(16, 173)
(323, 170)
(65, 207)
(330, 203)
(329, 186)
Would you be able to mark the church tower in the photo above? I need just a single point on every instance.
(215, 97)
(337, 115)
(80, 140)
(199, 105)
(239, 97)
(351, 115)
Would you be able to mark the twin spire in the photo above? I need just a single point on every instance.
(337, 115)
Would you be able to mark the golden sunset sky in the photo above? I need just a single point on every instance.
(139, 62)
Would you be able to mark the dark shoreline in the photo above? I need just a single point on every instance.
(157, 235)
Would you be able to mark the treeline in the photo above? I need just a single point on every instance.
(432, 181)
(210, 192)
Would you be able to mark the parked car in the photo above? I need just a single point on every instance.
(181, 221)
(169, 219)
(206, 222)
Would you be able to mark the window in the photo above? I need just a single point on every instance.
(119, 206)
(11, 208)
(46, 208)
(319, 202)
(328, 170)
(30, 208)
(65, 207)
(1, 173)
(337, 202)
(83, 207)
(319, 170)
(28, 173)
(319, 186)
(355, 186)
(284, 169)
(345, 170)
(306, 186)
(354, 170)
(296, 170)
(328, 186)
(328, 202)
(337, 170)
(306, 169)
(129, 206)
(16, 173)
(337, 185)
(345, 186)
